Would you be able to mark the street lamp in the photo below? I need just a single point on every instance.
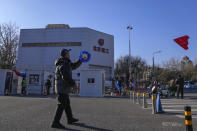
(129, 28)
(157, 52)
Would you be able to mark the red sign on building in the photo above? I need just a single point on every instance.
(101, 42)
(100, 49)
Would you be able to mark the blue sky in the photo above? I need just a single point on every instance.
(155, 22)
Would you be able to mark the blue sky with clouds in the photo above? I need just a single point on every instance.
(155, 22)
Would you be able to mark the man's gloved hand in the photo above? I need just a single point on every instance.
(84, 56)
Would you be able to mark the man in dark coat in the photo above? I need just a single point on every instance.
(63, 85)
(180, 82)
(48, 86)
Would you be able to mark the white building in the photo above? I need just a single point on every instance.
(39, 48)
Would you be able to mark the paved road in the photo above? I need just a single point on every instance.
(97, 114)
(175, 107)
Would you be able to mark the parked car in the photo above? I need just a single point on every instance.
(187, 84)
(164, 91)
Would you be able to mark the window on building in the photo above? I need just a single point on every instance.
(51, 44)
(34, 79)
(91, 80)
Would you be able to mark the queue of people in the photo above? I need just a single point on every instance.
(24, 87)
(174, 86)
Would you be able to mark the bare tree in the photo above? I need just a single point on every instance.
(186, 63)
(172, 64)
(138, 66)
(195, 62)
(8, 45)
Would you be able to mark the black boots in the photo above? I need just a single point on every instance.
(73, 120)
(57, 125)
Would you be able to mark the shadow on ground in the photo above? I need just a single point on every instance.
(90, 127)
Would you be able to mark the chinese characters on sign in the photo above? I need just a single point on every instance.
(100, 49)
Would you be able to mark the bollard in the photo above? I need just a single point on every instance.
(130, 92)
(144, 101)
(153, 103)
(6, 92)
(188, 118)
(138, 97)
(134, 97)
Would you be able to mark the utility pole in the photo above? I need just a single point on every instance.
(129, 28)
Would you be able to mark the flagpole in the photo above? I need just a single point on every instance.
(153, 74)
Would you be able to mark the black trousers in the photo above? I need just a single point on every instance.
(180, 90)
(48, 90)
(63, 105)
(23, 91)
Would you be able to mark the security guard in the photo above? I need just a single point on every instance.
(63, 85)
(24, 86)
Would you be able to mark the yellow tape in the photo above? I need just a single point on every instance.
(188, 122)
(188, 113)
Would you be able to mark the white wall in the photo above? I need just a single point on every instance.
(39, 59)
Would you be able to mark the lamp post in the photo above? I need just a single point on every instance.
(157, 52)
(129, 28)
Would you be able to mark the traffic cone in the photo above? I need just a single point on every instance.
(158, 104)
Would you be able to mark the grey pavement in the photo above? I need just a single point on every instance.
(96, 114)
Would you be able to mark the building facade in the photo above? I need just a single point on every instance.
(39, 48)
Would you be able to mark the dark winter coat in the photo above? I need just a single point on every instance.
(180, 82)
(63, 75)
(48, 83)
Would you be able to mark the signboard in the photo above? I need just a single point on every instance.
(99, 48)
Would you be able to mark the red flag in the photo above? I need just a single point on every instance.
(17, 73)
(182, 41)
